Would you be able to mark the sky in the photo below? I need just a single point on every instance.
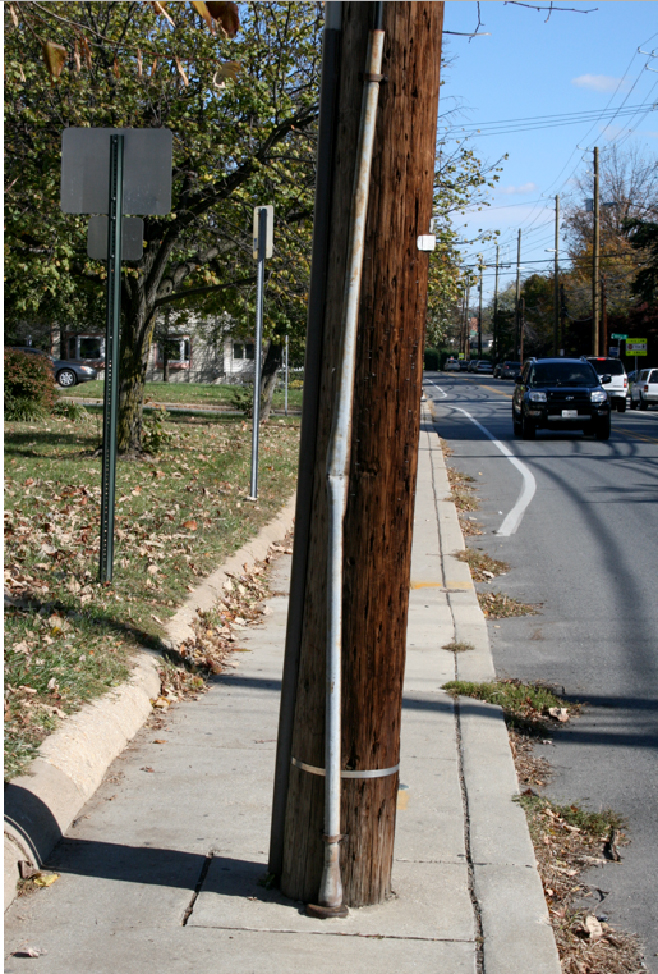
(528, 67)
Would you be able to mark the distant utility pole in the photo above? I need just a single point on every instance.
(495, 310)
(467, 325)
(595, 259)
(604, 316)
(556, 323)
(517, 303)
(383, 458)
(480, 310)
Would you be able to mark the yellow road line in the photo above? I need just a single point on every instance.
(637, 436)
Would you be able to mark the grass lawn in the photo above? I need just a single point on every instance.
(194, 393)
(178, 516)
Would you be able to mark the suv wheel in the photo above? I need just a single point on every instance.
(602, 430)
(621, 405)
(643, 405)
(527, 428)
(633, 404)
(66, 378)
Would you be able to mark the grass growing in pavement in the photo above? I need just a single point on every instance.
(206, 394)
(178, 516)
(527, 703)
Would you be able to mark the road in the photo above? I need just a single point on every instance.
(577, 520)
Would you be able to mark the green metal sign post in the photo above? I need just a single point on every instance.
(111, 392)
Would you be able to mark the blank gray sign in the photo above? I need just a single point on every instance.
(132, 237)
(85, 185)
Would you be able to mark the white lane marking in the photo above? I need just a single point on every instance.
(439, 389)
(513, 519)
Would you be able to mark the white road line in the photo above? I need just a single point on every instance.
(513, 519)
(439, 389)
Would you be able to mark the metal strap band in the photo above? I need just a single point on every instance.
(380, 773)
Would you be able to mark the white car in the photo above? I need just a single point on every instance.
(451, 365)
(618, 384)
(644, 390)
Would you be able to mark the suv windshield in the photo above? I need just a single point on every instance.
(562, 374)
(608, 366)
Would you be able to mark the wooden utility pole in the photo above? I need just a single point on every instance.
(604, 317)
(517, 303)
(495, 311)
(480, 310)
(556, 323)
(383, 460)
(595, 259)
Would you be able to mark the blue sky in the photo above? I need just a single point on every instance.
(575, 62)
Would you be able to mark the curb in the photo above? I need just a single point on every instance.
(510, 898)
(41, 805)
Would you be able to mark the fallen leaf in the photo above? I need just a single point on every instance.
(45, 879)
(593, 927)
(150, 770)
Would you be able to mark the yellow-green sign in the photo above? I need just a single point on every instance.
(636, 346)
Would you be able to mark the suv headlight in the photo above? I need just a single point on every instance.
(599, 395)
(537, 396)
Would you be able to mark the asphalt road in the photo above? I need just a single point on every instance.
(585, 545)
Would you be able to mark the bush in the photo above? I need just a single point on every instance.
(70, 410)
(242, 400)
(29, 381)
(431, 360)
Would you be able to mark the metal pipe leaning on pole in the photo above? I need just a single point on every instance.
(110, 172)
(263, 241)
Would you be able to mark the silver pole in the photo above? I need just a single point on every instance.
(285, 394)
(260, 283)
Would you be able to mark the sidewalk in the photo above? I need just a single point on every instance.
(160, 871)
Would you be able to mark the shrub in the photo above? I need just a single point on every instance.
(431, 360)
(242, 400)
(296, 384)
(70, 410)
(29, 383)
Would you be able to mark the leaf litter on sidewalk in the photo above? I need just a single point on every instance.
(178, 516)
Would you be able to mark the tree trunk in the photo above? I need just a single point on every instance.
(136, 334)
(268, 378)
(383, 462)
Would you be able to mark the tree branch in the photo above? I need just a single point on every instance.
(179, 295)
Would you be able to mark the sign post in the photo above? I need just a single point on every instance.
(262, 234)
(111, 390)
(108, 172)
(285, 394)
(636, 347)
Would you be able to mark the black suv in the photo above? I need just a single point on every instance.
(560, 394)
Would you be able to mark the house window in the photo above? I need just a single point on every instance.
(72, 342)
(176, 350)
(90, 348)
(243, 350)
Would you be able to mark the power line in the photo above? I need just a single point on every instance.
(511, 126)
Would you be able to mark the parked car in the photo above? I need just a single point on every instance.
(618, 384)
(472, 365)
(644, 389)
(463, 365)
(507, 370)
(451, 365)
(560, 394)
(67, 374)
(483, 367)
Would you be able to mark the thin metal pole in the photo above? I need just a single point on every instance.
(111, 391)
(327, 123)
(556, 321)
(260, 285)
(285, 395)
(331, 891)
(595, 260)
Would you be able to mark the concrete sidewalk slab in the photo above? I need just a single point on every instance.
(161, 869)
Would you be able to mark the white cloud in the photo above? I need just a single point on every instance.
(518, 190)
(596, 82)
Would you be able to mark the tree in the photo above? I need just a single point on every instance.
(643, 236)
(628, 191)
(243, 134)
